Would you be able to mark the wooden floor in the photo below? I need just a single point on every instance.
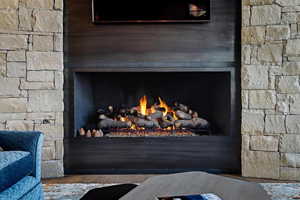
(107, 179)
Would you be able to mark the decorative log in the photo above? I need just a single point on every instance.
(157, 115)
(166, 123)
(182, 115)
(81, 132)
(103, 116)
(169, 117)
(142, 123)
(193, 123)
(99, 133)
(110, 123)
(89, 134)
(181, 107)
(195, 115)
(94, 132)
(101, 111)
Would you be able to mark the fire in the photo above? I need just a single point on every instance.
(143, 105)
(164, 105)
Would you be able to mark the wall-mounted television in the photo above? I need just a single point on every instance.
(154, 11)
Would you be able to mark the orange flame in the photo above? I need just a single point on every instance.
(143, 105)
(164, 105)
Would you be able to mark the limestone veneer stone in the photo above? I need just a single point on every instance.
(9, 4)
(295, 104)
(16, 69)
(40, 76)
(18, 56)
(9, 87)
(52, 168)
(42, 43)
(25, 19)
(262, 99)
(252, 122)
(8, 19)
(13, 105)
(47, 21)
(275, 124)
(293, 124)
(270, 53)
(290, 160)
(261, 164)
(293, 47)
(288, 2)
(289, 173)
(278, 32)
(255, 77)
(45, 101)
(19, 125)
(290, 143)
(13, 42)
(266, 15)
(288, 84)
(264, 143)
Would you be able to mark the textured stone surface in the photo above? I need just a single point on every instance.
(278, 32)
(253, 35)
(25, 20)
(16, 69)
(9, 87)
(270, 53)
(291, 68)
(290, 160)
(290, 143)
(288, 84)
(275, 124)
(53, 168)
(16, 56)
(47, 21)
(12, 42)
(40, 76)
(19, 125)
(42, 43)
(44, 61)
(255, 77)
(45, 101)
(11, 105)
(293, 47)
(47, 4)
(8, 19)
(252, 122)
(264, 143)
(12, 4)
(288, 2)
(264, 15)
(262, 99)
(293, 124)
(295, 104)
(261, 164)
(289, 173)
(58, 4)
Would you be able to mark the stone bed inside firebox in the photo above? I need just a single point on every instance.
(144, 120)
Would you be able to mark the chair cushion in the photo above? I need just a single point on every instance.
(14, 165)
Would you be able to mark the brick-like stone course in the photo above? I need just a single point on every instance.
(31, 74)
(270, 93)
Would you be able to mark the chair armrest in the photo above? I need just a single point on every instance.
(30, 141)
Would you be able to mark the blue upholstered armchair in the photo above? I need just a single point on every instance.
(20, 165)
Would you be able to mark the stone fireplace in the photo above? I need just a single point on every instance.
(32, 92)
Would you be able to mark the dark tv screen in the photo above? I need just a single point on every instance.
(110, 11)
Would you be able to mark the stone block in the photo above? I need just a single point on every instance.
(283, 104)
(293, 124)
(59, 80)
(46, 101)
(270, 53)
(46, 4)
(59, 149)
(52, 169)
(252, 122)
(13, 42)
(262, 99)
(58, 4)
(265, 15)
(253, 35)
(289, 143)
(254, 77)
(293, 47)
(13, 105)
(246, 15)
(3, 65)
(18, 56)
(291, 68)
(9, 87)
(275, 124)
(48, 153)
(278, 32)
(246, 54)
(58, 42)
(9, 4)
(245, 97)
(52, 132)
(288, 2)
(45, 61)
(48, 21)
(42, 43)
(16, 69)
(264, 143)
(25, 19)
(25, 85)
(295, 104)
(260, 164)
(245, 143)
(289, 18)
(41, 116)
(8, 19)
(288, 84)
(12, 116)
(19, 125)
(290, 160)
(289, 174)
(40, 76)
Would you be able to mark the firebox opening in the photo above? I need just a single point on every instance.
(131, 104)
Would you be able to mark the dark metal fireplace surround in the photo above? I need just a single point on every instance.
(196, 64)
